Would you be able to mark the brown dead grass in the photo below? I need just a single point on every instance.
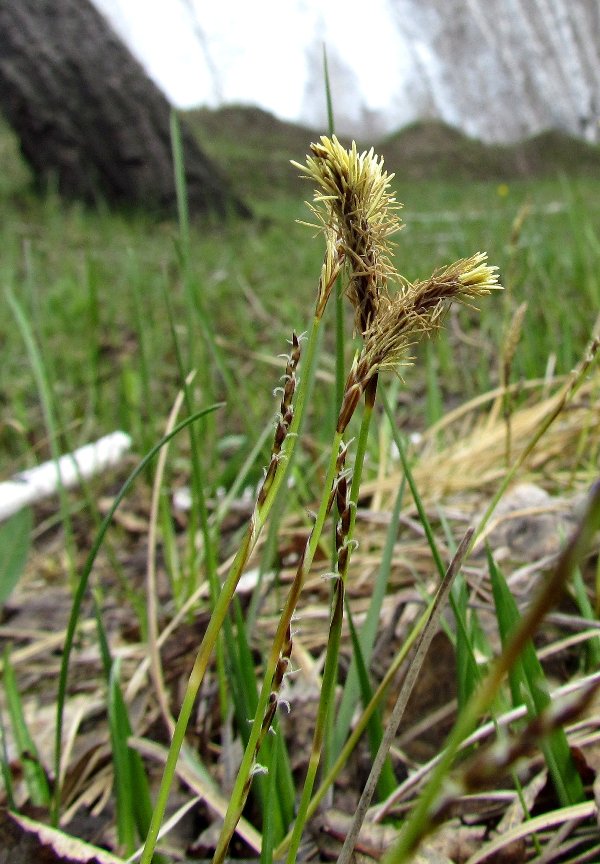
(458, 466)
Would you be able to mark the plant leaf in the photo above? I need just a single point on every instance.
(15, 539)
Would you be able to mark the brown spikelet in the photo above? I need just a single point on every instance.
(417, 309)
(355, 207)
(284, 419)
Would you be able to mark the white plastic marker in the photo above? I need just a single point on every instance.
(40, 482)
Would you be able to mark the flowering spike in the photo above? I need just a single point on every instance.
(356, 210)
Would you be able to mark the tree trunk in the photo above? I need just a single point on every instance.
(88, 117)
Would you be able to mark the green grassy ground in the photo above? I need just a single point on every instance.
(95, 287)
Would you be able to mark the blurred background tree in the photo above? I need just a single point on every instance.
(89, 119)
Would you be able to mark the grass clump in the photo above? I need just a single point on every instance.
(376, 549)
(356, 213)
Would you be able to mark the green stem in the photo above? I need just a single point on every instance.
(360, 727)
(335, 632)
(243, 780)
(80, 593)
(221, 607)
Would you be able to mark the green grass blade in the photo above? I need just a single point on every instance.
(286, 788)
(234, 489)
(35, 777)
(340, 339)
(5, 768)
(468, 635)
(180, 185)
(124, 791)
(528, 683)
(328, 94)
(134, 803)
(15, 539)
(434, 399)
(243, 673)
(46, 399)
(242, 678)
(467, 671)
(592, 648)
(413, 488)
(281, 807)
(269, 813)
(82, 587)
(198, 313)
(368, 632)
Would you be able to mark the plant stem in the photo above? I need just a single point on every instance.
(360, 726)
(243, 780)
(221, 607)
(410, 679)
(335, 631)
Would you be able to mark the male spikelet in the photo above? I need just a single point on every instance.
(417, 309)
(354, 206)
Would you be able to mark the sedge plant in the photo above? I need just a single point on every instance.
(357, 214)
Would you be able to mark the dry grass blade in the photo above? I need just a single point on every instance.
(577, 812)
(410, 787)
(472, 459)
(185, 770)
(414, 668)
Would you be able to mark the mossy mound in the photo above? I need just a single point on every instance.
(435, 151)
(254, 148)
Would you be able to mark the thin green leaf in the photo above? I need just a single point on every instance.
(82, 587)
(45, 392)
(528, 683)
(5, 766)
(134, 803)
(269, 821)
(368, 632)
(15, 539)
(35, 776)
(328, 96)
(282, 804)
(180, 184)
(124, 790)
(592, 647)
(434, 400)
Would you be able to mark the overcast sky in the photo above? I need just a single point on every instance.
(233, 51)
(495, 75)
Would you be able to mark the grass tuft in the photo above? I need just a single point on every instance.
(128, 307)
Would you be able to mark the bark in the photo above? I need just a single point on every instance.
(88, 118)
